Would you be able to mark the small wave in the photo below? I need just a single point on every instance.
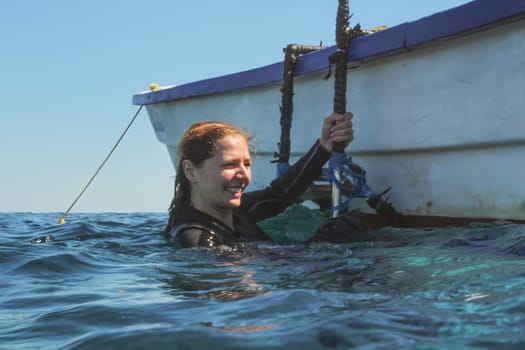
(504, 237)
(60, 263)
(513, 243)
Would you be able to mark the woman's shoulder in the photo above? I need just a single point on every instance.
(194, 235)
(194, 228)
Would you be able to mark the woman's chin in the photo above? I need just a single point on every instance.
(235, 202)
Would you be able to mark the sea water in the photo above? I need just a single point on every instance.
(111, 281)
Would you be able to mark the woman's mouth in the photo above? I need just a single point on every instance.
(237, 188)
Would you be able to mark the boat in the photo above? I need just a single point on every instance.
(438, 104)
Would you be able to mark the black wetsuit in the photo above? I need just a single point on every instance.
(195, 228)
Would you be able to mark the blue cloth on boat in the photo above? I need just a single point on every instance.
(349, 178)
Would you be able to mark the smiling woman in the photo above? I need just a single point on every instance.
(213, 170)
(210, 207)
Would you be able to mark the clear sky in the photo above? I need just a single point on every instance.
(70, 68)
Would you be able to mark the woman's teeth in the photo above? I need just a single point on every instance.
(235, 189)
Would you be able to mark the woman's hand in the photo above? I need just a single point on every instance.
(337, 128)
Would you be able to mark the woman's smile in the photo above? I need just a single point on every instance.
(236, 188)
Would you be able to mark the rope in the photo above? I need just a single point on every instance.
(344, 34)
(292, 53)
(62, 218)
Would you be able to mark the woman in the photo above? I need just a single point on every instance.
(210, 207)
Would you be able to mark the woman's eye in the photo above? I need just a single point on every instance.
(231, 165)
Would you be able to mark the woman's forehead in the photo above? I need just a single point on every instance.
(233, 144)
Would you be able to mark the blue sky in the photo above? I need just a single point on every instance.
(70, 68)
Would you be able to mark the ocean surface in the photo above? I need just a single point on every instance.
(111, 281)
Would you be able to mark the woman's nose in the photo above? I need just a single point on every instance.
(244, 171)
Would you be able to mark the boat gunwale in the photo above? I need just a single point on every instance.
(458, 21)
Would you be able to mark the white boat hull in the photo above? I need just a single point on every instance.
(443, 124)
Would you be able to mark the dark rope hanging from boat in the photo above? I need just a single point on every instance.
(292, 53)
(346, 177)
(343, 36)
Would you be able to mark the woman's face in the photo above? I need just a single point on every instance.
(218, 184)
